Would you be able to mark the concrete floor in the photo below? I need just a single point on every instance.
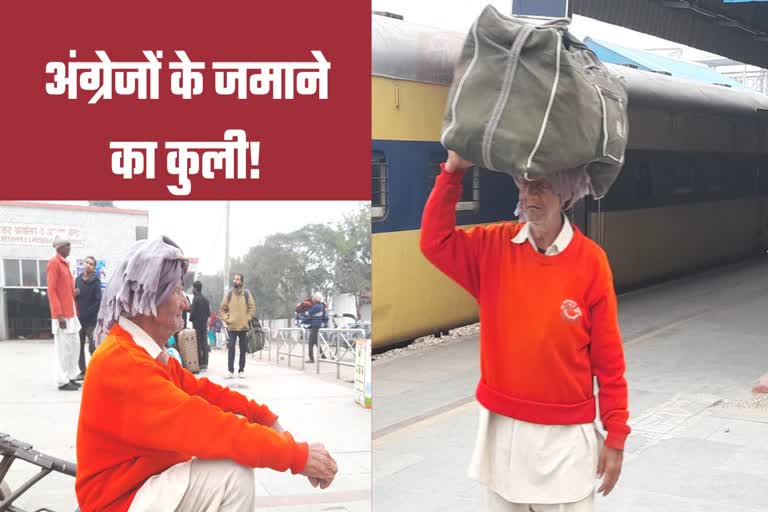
(315, 408)
(689, 345)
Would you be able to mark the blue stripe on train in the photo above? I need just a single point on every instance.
(410, 168)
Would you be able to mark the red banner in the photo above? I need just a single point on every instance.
(185, 100)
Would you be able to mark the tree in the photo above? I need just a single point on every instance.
(213, 289)
(287, 267)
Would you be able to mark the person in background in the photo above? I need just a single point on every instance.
(314, 319)
(199, 314)
(64, 323)
(87, 299)
(237, 310)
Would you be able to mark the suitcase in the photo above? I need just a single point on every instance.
(188, 350)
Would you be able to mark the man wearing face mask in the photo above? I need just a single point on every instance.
(135, 394)
(548, 327)
(237, 310)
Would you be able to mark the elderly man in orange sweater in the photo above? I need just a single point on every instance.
(548, 327)
(151, 436)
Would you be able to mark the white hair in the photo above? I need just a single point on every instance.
(318, 297)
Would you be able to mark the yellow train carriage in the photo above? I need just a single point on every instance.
(691, 194)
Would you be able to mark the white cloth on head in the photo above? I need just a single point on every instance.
(571, 186)
(66, 349)
(58, 241)
(149, 274)
(199, 485)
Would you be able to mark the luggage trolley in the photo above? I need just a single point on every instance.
(11, 449)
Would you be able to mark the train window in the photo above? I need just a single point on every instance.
(714, 176)
(643, 181)
(379, 183)
(470, 190)
(470, 194)
(682, 180)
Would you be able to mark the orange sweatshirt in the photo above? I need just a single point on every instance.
(548, 324)
(139, 417)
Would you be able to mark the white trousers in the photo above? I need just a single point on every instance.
(66, 346)
(498, 504)
(199, 485)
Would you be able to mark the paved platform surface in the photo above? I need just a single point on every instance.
(315, 408)
(700, 438)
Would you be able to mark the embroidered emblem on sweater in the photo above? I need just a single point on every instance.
(570, 310)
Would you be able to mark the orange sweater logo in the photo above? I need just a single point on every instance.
(570, 310)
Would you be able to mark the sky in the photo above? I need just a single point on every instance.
(458, 15)
(198, 226)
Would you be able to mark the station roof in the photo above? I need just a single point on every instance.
(736, 30)
(647, 61)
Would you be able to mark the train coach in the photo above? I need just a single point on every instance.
(693, 192)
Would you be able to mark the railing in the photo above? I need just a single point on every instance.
(334, 346)
(267, 345)
(29, 328)
(340, 343)
(289, 339)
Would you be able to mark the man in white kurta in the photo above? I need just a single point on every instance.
(64, 323)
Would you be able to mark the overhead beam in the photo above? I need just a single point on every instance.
(684, 22)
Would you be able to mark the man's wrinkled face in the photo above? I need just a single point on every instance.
(537, 199)
(169, 312)
(90, 265)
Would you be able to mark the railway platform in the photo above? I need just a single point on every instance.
(694, 347)
(315, 408)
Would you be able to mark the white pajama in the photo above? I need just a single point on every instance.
(498, 504)
(66, 347)
(526, 463)
(198, 485)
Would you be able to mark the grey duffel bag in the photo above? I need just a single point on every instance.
(536, 100)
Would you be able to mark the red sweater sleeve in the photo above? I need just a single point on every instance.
(224, 398)
(453, 251)
(206, 431)
(607, 355)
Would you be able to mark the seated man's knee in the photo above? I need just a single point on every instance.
(225, 469)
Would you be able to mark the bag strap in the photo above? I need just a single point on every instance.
(506, 89)
(552, 94)
(245, 291)
(605, 128)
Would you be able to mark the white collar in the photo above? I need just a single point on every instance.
(140, 337)
(558, 246)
